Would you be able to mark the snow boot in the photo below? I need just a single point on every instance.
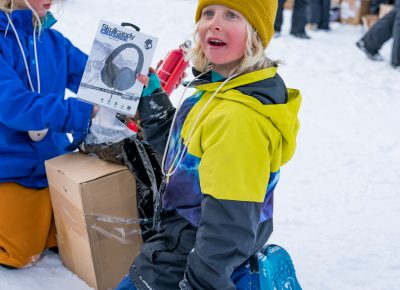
(276, 270)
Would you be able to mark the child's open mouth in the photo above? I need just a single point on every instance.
(216, 42)
(47, 6)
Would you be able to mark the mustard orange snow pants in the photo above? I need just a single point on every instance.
(26, 224)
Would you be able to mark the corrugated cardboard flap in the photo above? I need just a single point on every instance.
(83, 168)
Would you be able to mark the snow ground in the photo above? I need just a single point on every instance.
(337, 204)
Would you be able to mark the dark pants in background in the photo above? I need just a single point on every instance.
(382, 31)
(299, 16)
(319, 13)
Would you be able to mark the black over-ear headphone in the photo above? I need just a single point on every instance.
(117, 78)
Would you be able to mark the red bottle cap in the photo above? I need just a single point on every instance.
(133, 126)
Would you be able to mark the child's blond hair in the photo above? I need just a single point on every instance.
(6, 5)
(254, 57)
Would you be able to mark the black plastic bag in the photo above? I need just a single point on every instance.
(108, 140)
(144, 163)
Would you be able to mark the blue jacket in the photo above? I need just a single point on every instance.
(61, 66)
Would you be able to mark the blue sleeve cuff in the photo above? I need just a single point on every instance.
(80, 116)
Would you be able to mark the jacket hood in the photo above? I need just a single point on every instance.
(271, 90)
(265, 92)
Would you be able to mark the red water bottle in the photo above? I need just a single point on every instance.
(173, 67)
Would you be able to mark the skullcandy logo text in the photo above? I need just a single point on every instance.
(116, 33)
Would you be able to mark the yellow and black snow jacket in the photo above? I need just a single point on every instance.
(228, 171)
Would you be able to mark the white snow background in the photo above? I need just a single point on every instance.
(337, 205)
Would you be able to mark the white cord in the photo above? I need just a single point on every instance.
(35, 135)
(23, 53)
(36, 59)
(186, 144)
(8, 26)
(174, 118)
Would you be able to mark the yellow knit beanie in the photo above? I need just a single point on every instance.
(259, 13)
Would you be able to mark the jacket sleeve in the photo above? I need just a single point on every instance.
(76, 62)
(226, 238)
(24, 110)
(234, 174)
(156, 113)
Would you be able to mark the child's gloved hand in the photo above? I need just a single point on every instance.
(151, 82)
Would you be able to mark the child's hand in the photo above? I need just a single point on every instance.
(143, 79)
(151, 82)
(95, 110)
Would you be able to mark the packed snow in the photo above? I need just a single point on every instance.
(337, 203)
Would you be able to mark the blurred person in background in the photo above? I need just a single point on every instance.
(375, 5)
(319, 14)
(384, 29)
(299, 19)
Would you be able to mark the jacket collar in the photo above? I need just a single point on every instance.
(265, 85)
(22, 20)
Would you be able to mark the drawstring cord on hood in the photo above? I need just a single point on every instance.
(39, 134)
(174, 118)
(172, 169)
(36, 58)
(23, 53)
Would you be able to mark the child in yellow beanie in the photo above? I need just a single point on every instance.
(221, 158)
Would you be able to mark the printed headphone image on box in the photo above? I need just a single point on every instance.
(121, 78)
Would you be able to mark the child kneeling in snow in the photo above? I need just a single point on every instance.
(37, 64)
(223, 155)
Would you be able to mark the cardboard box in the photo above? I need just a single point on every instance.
(96, 217)
(369, 20)
(384, 9)
(351, 11)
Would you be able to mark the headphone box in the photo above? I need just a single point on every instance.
(118, 54)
